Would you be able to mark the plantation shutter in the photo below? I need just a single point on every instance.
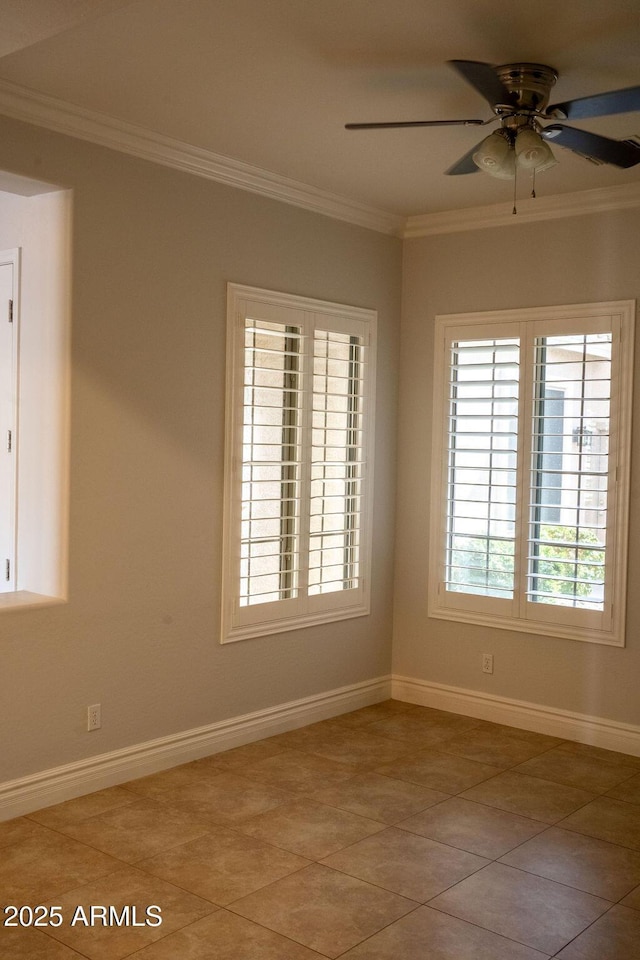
(337, 460)
(531, 470)
(481, 460)
(271, 462)
(569, 477)
(299, 409)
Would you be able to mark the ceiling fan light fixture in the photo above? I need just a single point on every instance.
(532, 152)
(518, 94)
(496, 156)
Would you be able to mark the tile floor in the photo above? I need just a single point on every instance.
(395, 832)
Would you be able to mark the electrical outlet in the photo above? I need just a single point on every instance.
(94, 719)
(487, 663)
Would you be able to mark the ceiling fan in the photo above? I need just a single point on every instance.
(518, 94)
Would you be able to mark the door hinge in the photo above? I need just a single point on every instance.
(7, 575)
(9, 441)
(10, 318)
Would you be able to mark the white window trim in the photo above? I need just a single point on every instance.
(10, 320)
(285, 615)
(505, 614)
(37, 230)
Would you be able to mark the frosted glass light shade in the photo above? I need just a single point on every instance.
(532, 152)
(496, 156)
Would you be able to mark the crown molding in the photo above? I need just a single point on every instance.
(20, 103)
(27, 105)
(529, 211)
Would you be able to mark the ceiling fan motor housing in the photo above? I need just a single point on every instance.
(528, 84)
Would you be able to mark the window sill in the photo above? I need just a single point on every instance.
(535, 627)
(267, 628)
(26, 600)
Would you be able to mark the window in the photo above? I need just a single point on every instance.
(531, 469)
(35, 322)
(298, 464)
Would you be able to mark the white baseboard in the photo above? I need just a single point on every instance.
(18, 797)
(597, 731)
(39, 790)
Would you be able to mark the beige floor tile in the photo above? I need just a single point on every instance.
(157, 785)
(115, 934)
(439, 771)
(19, 829)
(306, 738)
(223, 866)
(615, 936)
(379, 798)
(225, 936)
(225, 799)
(323, 909)
(356, 747)
(74, 811)
(403, 804)
(137, 830)
(310, 829)
(29, 944)
(595, 866)
(424, 729)
(404, 863)
(375, 712)
(298, 772)
(544, 740)
(444, 937)
(539, 913)
(474, 827)
(629, 790)
(239, 757)
(500, 746)
(633, 899)
(446, 716)
(529, 796)
(607, 819)
(586, 750)
(421, 730)
(47, 865)
(577, 770)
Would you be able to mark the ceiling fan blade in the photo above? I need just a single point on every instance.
(464, 164)
(483, 77)
(621, 153)
(416, 123)
(600, 105)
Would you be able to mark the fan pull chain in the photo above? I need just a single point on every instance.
(515, 188)
(533, 184)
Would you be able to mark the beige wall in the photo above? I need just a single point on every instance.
(152, 251)
(581, 259)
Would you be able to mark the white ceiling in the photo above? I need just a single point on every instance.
(24, 23)
(271, 82)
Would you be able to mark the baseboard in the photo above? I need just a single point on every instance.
(18, 797)
(597, 731)
(22, 796)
